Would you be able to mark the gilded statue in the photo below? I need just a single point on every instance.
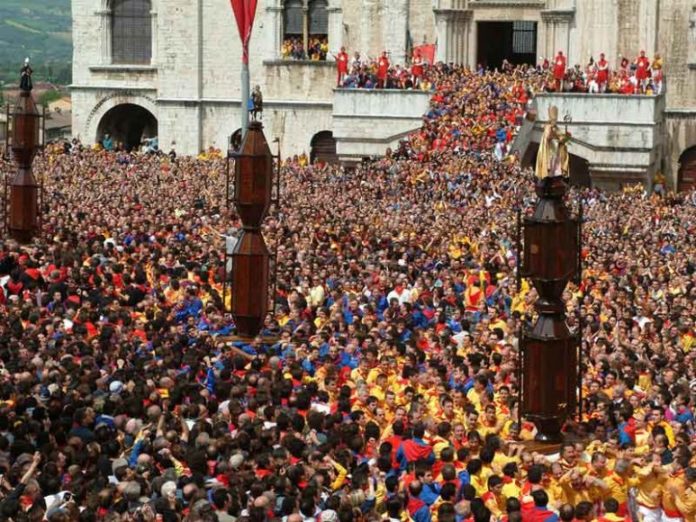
(552, 159)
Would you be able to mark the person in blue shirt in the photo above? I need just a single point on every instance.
(414, 449)
(417, 509)
(431, 490)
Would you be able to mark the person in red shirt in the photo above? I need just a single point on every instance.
(341, 66)
(624, 64)
(417, 69)
(382, 69)
(642, 71)
(559, 70)
(602, 73)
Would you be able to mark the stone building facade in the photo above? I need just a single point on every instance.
(171, 67)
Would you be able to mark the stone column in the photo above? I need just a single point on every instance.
(395, 28)
(471, 44)
(335, 26)
(691, 53)
(466, 22)
(370, 29)
(557, 29)
(443, 26)
(305, 27)
(275, 19)
(104, 15)
(153, 53)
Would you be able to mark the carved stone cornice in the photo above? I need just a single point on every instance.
(558, 15)
(460, 15)
(541, 4)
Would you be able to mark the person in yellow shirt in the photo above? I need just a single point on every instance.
(686, 500)
(441, 441)
(648, 480)
(471, 421)
(511, 484)
(447, 412)
(379, 388)
(574, 488)
(675, 487)
(494, 499)
(657, 419)
(475, 469)
(474, 394)
(600, 477)
(491, 423)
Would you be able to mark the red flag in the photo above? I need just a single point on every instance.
(244, 12)
(427, 52)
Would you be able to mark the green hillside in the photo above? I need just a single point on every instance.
(40, 29)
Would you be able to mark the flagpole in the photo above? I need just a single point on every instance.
(245, 98)
(244, 13)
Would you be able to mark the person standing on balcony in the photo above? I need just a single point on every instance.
(382, 70)
(657, 74)
(602, 73)
(417, 69)
(642, 71)
(559, 70)
(341, 66)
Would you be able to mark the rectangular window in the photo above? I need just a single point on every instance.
(294, 18)
(318, 18)
(131, 32)
(524, 37)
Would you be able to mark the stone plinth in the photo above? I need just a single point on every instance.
(621, 137)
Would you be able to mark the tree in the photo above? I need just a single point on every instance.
(49, 96)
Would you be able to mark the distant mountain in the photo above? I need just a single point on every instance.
(41, 30)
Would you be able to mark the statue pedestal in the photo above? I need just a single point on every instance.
(549, 352)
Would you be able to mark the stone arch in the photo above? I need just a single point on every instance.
(128, 125)
(323, 147)
(686, 175)
(112, 100)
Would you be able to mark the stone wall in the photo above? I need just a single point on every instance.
(366, 123)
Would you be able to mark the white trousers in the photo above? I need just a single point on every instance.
(650, 515)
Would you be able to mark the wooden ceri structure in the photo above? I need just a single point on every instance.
(249, 276)
(23, 196)
(550, 353)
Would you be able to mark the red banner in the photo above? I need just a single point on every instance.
(244, 13)
(426, 51)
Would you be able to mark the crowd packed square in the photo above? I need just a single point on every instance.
(384, 386)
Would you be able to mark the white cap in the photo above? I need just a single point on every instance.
(26, 61)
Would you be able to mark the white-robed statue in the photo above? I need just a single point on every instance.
(552, 159)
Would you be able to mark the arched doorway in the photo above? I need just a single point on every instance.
(323, 148)
(686, 179)
(127, 124)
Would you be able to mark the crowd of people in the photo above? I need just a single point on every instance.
(642, 76)
(379, 73)
(384, 386)
(293, 48)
